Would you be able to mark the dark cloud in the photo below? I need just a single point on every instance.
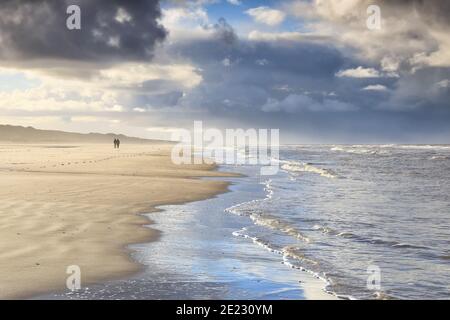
(248, 75)
(225, 31)
(292, 85)
(433, 11)
(111, 30)
(425, 90)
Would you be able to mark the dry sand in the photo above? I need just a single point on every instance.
(63, 205)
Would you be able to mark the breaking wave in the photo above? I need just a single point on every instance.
(362, 150)
(295, 167)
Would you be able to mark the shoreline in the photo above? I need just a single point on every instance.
(200, 257)
(70, 178)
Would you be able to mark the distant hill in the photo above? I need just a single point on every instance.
(19, 134)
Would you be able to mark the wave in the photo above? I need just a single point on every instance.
(440, 158)
(294, 166)
(291, 258)
(251, 210)
(323, 229)
(295, 253)
(248, 208)
(346, 235)
(243, 234)
(349, 235)
(409, 246)
(276, 224)
(391, 146)
(425, 147)
(363, 150)
(332, 232)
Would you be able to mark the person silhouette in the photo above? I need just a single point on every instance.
(115, 143)
(118, 143)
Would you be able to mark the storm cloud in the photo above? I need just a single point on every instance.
(413, 34)
(247, 75)
(111, 30)
(356, 86)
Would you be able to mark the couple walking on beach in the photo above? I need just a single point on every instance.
(116, 143)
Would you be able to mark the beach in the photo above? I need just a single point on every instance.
(81, 204)
(202, 255)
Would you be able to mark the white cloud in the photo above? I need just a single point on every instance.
(188, 23)
(226, 62)
(375, 87)
(178, 17)
(359, 72)
(443, 84)
(184, 23)
(104, 90)
(133, 74)
(123, 16)
(115, 108)
(256, 35)
(266, 15)
(114, 42)
(390, 63)
(235, 2)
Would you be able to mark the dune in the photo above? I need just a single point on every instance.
(66, 202)
(19, 134)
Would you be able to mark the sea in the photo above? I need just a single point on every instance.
(342, 221)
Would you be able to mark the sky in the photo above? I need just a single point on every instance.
(312, 68)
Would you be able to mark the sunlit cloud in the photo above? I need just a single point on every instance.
(266, 15)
